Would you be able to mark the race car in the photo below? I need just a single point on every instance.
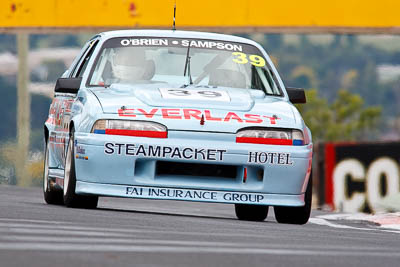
(178, 115)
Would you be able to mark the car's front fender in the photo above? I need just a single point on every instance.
(85, 111)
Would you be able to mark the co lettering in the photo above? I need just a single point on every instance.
(371, 177)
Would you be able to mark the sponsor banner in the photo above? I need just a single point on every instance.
(59, 112)
(195, 114)
(190, 153)
(194, 195)
(165, 152)
(184, 43)
(360, 176)
(272, 158)
(185, 194)
(57, 139)
(175, 42)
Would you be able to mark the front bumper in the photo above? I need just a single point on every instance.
(124, 166)
(196, 195)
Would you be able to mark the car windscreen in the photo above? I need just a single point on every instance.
(181, 62)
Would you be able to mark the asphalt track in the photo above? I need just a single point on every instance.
(130, 232)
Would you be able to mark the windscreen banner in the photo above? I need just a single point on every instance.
(359, 177)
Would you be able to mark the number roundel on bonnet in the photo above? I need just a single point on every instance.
(195, 94)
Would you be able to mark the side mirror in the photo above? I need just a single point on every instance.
(296, 95)
(68, 85)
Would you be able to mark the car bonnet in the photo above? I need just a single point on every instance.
(234, 109)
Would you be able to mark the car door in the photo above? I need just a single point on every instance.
(64, 103)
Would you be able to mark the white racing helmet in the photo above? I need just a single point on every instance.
(129, 63)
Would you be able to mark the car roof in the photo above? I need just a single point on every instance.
(176, 34)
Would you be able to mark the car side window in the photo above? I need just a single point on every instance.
(81, 67)
(78, 59)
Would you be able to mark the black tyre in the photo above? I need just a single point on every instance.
(71, 199)
(251, 212)
(296, 215)
(52, 194)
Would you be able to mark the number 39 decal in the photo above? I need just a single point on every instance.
(207, 95)
(255, 60)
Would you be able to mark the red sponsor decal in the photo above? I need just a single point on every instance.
(55, 139)
(171, 113)
(271, 119)
(126, 112)
(209, 117)
(68, 104)
(189, 114)
(232, 115)
(50, 120)
(147, 114)
(252, 118)
(57, 110)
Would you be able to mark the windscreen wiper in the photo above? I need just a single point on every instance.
(187, 67)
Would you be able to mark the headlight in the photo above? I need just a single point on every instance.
(286, 137)
(130, 128)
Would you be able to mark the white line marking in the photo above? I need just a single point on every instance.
(33, 221)
(59, 229)
(391, 226)
(59, 232)
(100, 241)
(321, 221)
(188, 249)
(348, 217)
(85, 240)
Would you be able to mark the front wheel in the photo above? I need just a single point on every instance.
(251, 212)
(296, 215)
(71, 199)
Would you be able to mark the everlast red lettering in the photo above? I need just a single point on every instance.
(232, 115)
(126, 112)
(271, 119)
(189, 114)
(253, 118)
(171, 113)
(209, 117)
(150, 114)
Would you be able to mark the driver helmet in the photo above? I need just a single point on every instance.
(129, 63)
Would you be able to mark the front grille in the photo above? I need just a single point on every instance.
(195, 169)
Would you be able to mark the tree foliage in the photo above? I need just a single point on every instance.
(345, 119)
(344, 62)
